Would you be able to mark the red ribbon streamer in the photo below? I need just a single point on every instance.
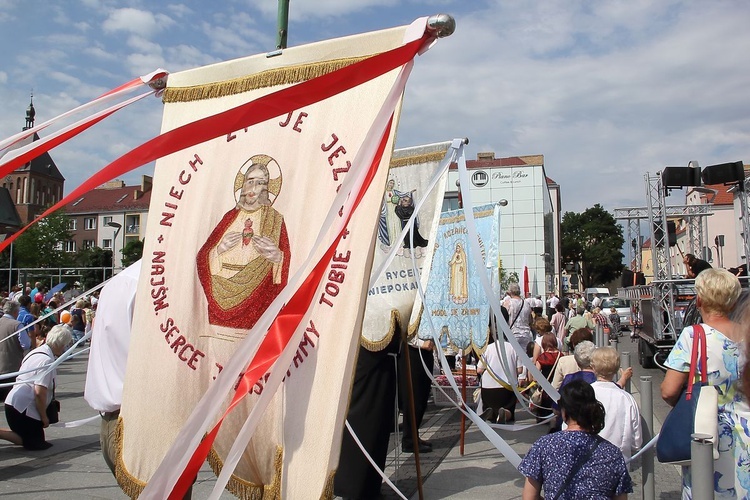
(281, 331)
(264, 108)
(33, 153)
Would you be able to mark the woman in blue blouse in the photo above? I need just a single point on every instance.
(717, 294)
(576, 463)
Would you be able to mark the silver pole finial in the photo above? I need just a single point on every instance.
(442, 24)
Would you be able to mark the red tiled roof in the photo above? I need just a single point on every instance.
(101, 200)
(722, 196)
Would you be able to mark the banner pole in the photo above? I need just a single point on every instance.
(463, 361)
(463, 404)
(282, 22)
(412, 416)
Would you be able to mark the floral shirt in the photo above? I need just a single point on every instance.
(554, 456)
(732, 469)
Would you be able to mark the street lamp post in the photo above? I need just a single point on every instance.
(117, 227)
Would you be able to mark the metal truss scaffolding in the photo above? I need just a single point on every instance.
(663, 288)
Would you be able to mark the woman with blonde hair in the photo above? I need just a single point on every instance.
(78, 320)
(717, 293)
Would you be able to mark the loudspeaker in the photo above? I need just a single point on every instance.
(640, 279)
(671, 233)
(680, 176)
(627, 278)
(658, 240)
(724, 173)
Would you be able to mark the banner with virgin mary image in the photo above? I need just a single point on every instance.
(235, 223)
(390, 300)
(455, 303)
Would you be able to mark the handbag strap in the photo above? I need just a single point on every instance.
(581, 461)
(699, 345)
(523, 303)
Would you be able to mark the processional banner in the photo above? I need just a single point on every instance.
(390, 300)
(233, 220)
(455, 303)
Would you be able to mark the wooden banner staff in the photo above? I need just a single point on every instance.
(412, 415)
(463, 356)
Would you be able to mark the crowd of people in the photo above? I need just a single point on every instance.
(34, 331)
(594, 427)
(597, 427)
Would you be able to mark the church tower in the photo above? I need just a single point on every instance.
(36, 185)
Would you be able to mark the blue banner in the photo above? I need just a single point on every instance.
(455, 302)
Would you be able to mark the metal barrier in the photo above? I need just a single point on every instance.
(648, 487)
(599, 336)
(702, 470)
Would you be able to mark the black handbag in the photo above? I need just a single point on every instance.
(53, 408)
(53, 411)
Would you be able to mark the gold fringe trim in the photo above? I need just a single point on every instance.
(412, 330)
(264, 79)
(245, 490)
(379, 345)
(417, 159)
(130, 485)
(460, 217)
(327, 493)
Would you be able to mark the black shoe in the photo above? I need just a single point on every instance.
(488, 414)
(424, 442)
(409, 448)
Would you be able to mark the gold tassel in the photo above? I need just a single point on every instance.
(264, 79)
(412, 330)
(245, 490)
(327, 493)
(130, 485)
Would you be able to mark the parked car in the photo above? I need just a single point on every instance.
(623, 310)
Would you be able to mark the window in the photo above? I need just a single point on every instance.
(89, 223)
(88, 244)
(106, 220)
(107, 243)
(70, 246)
(450, 201)
(73, 224)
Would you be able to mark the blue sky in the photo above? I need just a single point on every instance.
(606, 91)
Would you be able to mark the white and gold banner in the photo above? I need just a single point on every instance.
(233, 222)
(390, 300)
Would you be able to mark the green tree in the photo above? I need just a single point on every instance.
(132, 252)
(42, 244)
(593, 240)
(97, 265)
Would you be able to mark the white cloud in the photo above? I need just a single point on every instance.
(604, 90)
(140, 22)
(311, 9)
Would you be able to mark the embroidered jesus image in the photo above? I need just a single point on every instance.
(244, 264)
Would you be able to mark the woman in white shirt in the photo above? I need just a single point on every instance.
(498, 397)
(622, 423)
(26, 404)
